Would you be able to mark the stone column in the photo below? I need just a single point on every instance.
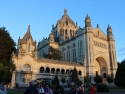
(13, 80)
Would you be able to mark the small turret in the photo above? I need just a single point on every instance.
(97, 26)
(87, 21)
(109, 33)
(52, 26)
(65, 11)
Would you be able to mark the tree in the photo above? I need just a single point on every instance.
(63, 80)
(55, 79)
(109, 79)
(74, 76)
(6, 47)
(6, 44)
(120, 75)
(53, 53)
(87, 80)
(1, 66)
(98, 79)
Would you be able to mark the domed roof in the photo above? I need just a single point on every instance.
(65, 19)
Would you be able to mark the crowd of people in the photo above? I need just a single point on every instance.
(81, 89)
(43, 88)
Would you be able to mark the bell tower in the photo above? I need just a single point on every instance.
(26, 45)
(112, 51)
(89, 54)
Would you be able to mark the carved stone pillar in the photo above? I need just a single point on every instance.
(13, 80)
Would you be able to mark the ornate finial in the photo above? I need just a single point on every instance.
(52, 26)
(65, 11)
(76, 23)
(108, 25)
(87, 15)
(97, 26)
(19, 37)
(29, 28)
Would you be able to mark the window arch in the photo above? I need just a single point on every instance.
(41, 69)
(71, 71)
(29, 47)
(57, 71)
(79, 73)
(47, 70)
(26, 67)
(62, 71)
(53, 70)
(67, 71)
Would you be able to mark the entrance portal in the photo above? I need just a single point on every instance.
(100, 67)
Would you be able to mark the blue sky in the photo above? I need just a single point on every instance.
(16, 15)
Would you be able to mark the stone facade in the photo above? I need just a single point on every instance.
(88, 49)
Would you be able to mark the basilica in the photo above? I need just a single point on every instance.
(87, 49)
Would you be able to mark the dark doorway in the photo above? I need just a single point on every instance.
(96, 73)
(104, 75)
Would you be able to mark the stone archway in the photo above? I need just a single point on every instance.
(101, 67)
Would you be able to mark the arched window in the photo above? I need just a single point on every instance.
(41, 69)
(53, 70)
(26, 67)
(57, 71)
(62, 71)
(79, 73)
(71, 71)
(67, 71)
(47, 70)
(29, 47)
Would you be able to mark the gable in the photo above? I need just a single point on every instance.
(99, 34)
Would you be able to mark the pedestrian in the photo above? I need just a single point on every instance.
(72, 89)
(92, 89)
(39, 88)
(3, 89)
(81, 89)
(32, 89)
(58, 88)
(48, 90)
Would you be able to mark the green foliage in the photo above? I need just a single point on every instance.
(53, 53)
(6, 47)
(6, 44)
(63, 80)
(74, 76)
(1, 66)
(120, 75)
(53, 86)
(55, 79)
(98, 79)
(87, 80)
(62, 90)
(102, 88)
(17, 85)
(109, 79)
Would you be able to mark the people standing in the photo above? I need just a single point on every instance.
(32, 89)
(92, 89)
(3, 89)
(81, 89)
(72, 89)
(58, 88)
(48, 90)
(39, 88)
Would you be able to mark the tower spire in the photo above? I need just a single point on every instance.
(65, 11)
(87, 21)
(28, 28)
